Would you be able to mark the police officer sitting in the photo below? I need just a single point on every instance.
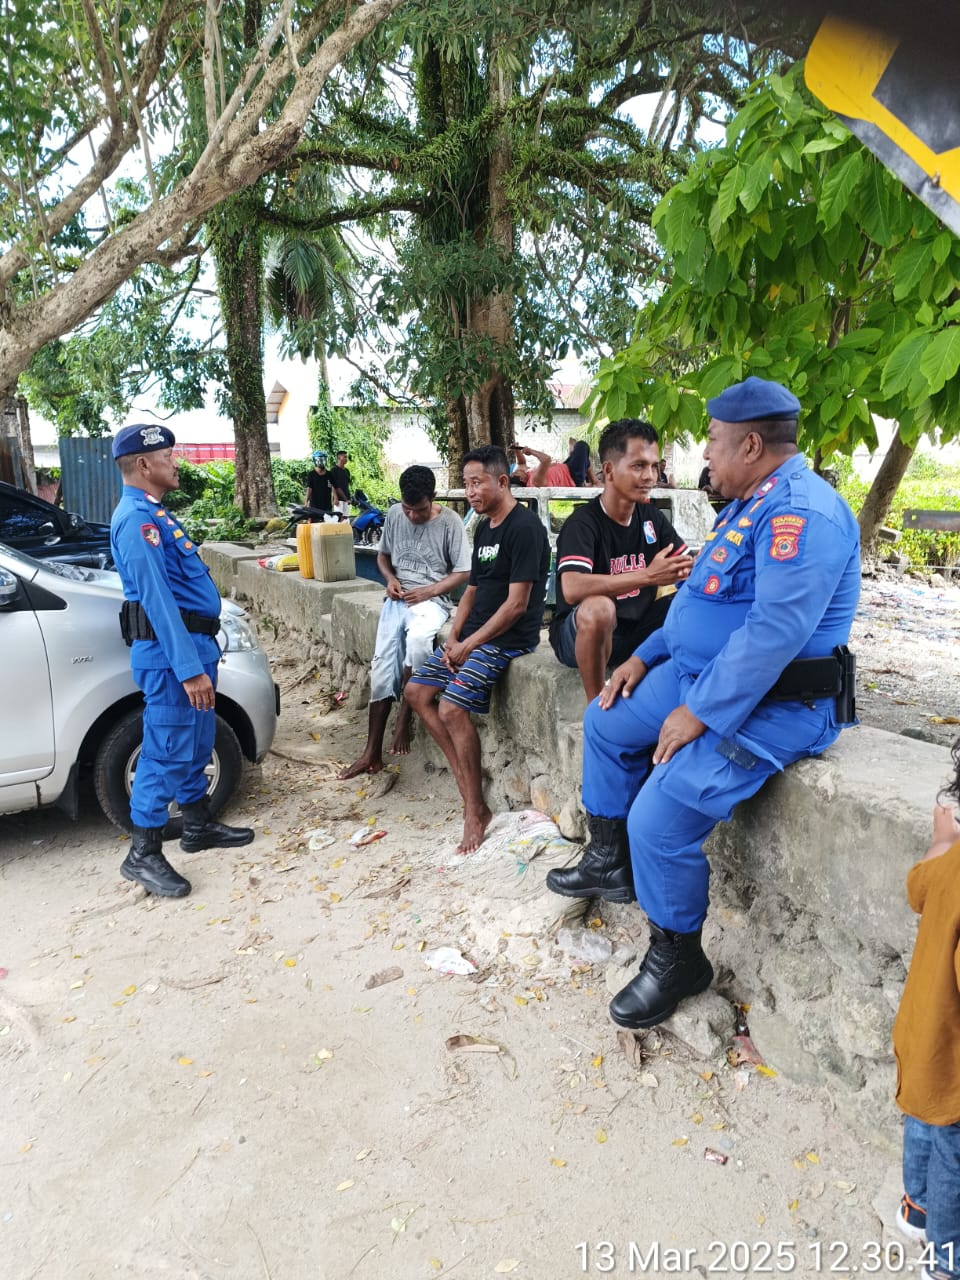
(170, 618)
(741, 680)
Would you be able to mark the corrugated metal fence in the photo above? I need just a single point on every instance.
(89, 476)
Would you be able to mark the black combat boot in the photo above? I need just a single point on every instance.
(673, 968)
(201, 832)
(146, 865)
(605, 870)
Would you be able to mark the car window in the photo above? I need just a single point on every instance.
(20, 519)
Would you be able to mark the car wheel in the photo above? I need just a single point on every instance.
(116, 763)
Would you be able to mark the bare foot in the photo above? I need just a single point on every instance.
(400, 746)
(474, 829)
(363, 765)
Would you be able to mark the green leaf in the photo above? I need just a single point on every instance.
(755, 182)
(902, 362)
(717, 376)
(690, 414)
(941, 247)
(858, 339)
(941, 360)
(909, 268)
(838, 187)
(816, 145)
(729, 192)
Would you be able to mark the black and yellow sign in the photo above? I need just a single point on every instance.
(899, 95)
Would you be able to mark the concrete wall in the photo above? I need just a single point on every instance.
(808, 923)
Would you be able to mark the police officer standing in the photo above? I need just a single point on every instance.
(170, 617)
(749, 672)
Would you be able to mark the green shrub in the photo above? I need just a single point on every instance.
(928, 486)
(206, 494)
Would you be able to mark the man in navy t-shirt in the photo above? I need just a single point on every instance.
(498, 618)
(613, 554)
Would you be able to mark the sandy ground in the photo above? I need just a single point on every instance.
(255, 1082)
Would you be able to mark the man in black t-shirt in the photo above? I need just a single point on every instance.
(613, 554)
(340, 479)
(498, 618)
(319, 489)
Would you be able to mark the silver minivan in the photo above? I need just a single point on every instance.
(69, 704)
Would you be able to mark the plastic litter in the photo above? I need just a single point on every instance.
(284, 562)
(585, 944)
(715, 1157)
(448, 960)
(363, 835)
(319, 839)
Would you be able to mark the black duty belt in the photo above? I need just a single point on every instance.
(807, 679)
(135, 625)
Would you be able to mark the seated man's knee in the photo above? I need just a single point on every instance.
(450, 713)
(418, 695)
(596, 614)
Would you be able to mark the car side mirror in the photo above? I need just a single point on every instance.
(51, 535)
(9, 589)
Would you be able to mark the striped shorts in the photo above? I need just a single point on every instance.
(472, 685)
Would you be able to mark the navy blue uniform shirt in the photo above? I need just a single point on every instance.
(160, 567)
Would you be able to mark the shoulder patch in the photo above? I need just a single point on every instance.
(150, 534)
(785, 537)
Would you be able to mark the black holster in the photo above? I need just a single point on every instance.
(135, 624)
(809, 679)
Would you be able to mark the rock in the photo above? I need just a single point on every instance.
(515, 785)
(572, 823)
(779, 1041)
(862, 1020)
(804, 971)
(704, 1023)
(847, 952)
(542, 796)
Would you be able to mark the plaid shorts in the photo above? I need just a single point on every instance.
(472, 685)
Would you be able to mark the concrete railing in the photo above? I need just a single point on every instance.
(808, 904)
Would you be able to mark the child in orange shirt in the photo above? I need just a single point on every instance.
(926, 1041)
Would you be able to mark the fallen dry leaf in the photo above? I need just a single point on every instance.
(558, 1164)
(648, 1080)
(346, 1185)
(600, 1136)
(383, 976)
(506, 1265)
(631, 1048)
(185, 1062)
(472, 1044)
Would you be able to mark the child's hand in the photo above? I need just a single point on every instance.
(946, 829)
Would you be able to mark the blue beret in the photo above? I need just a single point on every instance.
(142, 438)
(752, 399)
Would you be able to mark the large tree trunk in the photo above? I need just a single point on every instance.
(885, 485)
(26, 445)
(239, 259)
(16, 446)
(490, 408)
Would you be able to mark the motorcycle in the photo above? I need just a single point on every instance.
(368, 522)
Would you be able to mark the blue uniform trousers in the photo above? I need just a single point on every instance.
(177, 745)
(672, 811)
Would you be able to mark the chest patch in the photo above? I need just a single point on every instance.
(712, 585)
(648, 531)
(150, 534)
